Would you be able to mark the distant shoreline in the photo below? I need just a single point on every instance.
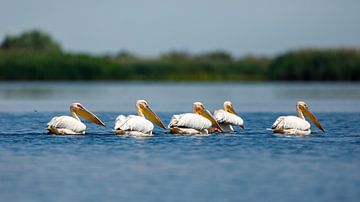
(34, 56)
(305, 65)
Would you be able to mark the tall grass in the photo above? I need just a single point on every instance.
(305, 65)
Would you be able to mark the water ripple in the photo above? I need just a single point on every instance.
(250, 164)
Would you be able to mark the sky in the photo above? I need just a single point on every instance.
(152, 27)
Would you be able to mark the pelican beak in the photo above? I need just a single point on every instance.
(88, 115)
(312, 118)
(205, 113)
(152, 116)
(230, 109)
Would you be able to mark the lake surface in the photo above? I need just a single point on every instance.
(248, 165)
(174, 97)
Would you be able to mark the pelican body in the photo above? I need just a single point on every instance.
(198, 122)
(296, 125)
(138, 125)
(72, 125)
(227, 117)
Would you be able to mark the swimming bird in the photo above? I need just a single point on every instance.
(197, 122)
(72, 125)
(227, 117)
(138, 125)
(296, 124)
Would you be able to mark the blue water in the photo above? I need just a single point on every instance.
(173, 96)
(249, 165)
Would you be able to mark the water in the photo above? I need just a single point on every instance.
(249, 165)
(173, 97)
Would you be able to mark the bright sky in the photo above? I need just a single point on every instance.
(152, 27)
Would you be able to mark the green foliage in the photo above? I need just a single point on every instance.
(176, 56)
(124, 55)
(215, 56)
(306, 65)
(310, 65)
(29, 65)
(35, 56)
(32, 40)
(25, 65)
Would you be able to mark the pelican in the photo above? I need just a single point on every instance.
(138, 125)
(197, 122)
(72, 125)
(296, 124)
(227, 117)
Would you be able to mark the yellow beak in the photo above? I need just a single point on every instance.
(152, 116)
(312, 118)
(230, 109)
(205, 113)
(88, 115)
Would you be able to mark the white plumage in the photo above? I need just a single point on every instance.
(198, 122)
(190, 120)
(133, 124)
(296, 124)
(291, 122)
(68, 124)
(226, 119)
(138, 125)
(72, 125)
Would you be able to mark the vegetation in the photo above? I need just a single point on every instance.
(32, 40)
(35, 56)
(309, 65)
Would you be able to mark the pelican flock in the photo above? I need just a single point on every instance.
(72, 125)
(200, 121)
(227, 117)
(296, 124)
(138, 125)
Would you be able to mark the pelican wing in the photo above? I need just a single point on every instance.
(67, 122)
(133, 123)
(190, 120)
(224, 117)
(290, 122)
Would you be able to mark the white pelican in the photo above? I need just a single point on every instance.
(67, 125)
(296, 124)
(197, 122)
(227, 117)
(138, 125)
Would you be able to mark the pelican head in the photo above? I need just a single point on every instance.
(229, 107)
(200, 109)
(80, 110)
(304, 108)
(144, 110)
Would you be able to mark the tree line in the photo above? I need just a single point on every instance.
(34, 55)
